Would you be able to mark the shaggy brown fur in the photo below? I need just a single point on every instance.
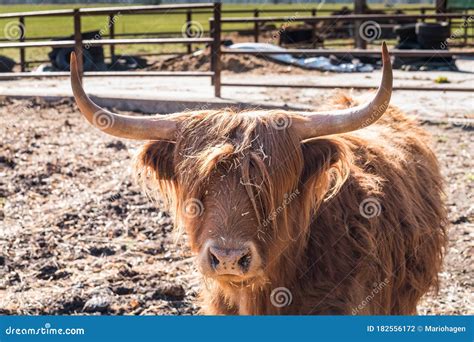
(318, 245)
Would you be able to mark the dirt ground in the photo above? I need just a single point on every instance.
(77, 235)
(235, 64)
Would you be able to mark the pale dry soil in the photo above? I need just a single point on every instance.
(77, 235)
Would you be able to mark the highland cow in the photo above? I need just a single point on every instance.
(329, 212)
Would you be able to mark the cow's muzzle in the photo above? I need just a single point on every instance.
(229, 261)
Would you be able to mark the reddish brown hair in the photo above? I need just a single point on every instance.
(319, 246)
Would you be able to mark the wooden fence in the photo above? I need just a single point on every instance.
(216, 23)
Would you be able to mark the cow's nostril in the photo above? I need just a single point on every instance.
(229, 261)
(214, 260)
(244, 262)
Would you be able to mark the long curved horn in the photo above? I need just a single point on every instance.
(141, 128)
(350, 119)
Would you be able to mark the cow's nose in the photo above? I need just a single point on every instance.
(235, 261)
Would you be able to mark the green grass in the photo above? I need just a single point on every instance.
(63, 26)
(60, 26)
(162, 22)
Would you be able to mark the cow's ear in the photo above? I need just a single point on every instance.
(157, 158)
(320, 155)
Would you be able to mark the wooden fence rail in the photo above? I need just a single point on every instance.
(258, 19)
(216, 23)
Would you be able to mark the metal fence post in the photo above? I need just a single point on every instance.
(313, 25)
(359, 7)
(22, 39)
(211, 47)
(112, 36)
(78, 41)
(256, 26)
(466, 27)
(189, 18)
(216, 49)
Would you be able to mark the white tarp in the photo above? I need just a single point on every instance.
(318, 63)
